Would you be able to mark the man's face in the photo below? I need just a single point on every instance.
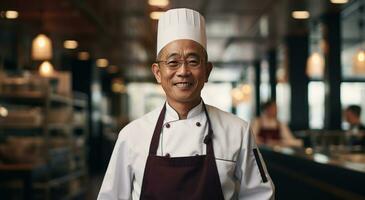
(350, 117)
(184, 82)
(272, 110)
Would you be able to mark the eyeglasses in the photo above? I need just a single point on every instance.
(175, 64)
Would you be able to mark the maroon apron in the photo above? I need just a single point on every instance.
(266, 134)
(193, 178)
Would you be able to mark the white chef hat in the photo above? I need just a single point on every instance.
(181, 23)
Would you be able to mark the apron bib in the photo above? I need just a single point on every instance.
(192, 177)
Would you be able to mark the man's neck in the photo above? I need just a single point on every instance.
(183, 109)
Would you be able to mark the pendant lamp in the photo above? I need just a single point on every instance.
(42, 44)
(41, 48)
(46, 69)
(315, 65)
(359, 58)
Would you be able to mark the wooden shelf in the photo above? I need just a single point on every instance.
(20, 126)
(23, 97)
(55, 98)
(34, 97)
(53, 126)
(21, 166)
(59, 126)
(73, 195)
(79, 103)
(62, 157)
(61, 180)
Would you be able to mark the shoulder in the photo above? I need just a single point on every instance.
(140, 127)
(231, 133)
(226, 120)
(224, 116)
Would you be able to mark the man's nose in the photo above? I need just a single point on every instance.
(183, 70)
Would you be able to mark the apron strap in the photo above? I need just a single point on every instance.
(157, 132)
(158, 129)
(209, 137)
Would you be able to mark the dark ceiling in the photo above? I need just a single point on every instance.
(122, 31)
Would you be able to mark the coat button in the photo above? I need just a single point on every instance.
(198, 124)
(167, 125)
(167, 155)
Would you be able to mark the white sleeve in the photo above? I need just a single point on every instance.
(117, 183)
(255, 182)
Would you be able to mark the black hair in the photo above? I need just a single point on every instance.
(354, 109)
(267, 104)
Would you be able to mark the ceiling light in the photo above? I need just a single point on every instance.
(156, 15)
(361, 56)
(11, 14)
(46, 69)
(359, 62)
(118, 86)
(300, 14)
(83, 55)
(41, 48)
(339, 1)
(3, 111)
(70, 44)
(158, 3)
(102, 62)
(315, 65)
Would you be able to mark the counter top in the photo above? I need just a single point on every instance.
(336, 157)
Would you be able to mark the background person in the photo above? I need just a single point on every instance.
(270, 131)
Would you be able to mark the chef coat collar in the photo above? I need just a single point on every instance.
(173, 115)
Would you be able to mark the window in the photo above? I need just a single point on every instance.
(316, 104)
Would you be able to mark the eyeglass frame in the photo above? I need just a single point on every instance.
(180, 63)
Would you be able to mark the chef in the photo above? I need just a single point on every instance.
(185, 149)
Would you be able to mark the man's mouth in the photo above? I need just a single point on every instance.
(183, 85)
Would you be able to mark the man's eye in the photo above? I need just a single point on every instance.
(193, 62)
(173, 63)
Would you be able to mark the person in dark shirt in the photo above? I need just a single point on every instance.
(352, 116)
(357, 129)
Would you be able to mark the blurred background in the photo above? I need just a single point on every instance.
(74, 72)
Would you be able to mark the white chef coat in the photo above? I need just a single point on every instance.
(233, 145)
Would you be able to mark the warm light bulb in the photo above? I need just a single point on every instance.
(156, 15)
(102, 62)
(46, 69)
(246, 89)
(300, 14)
(339, 1)
(315, 65)
(118, 86)
(41, 48)
(3, 111)
(11, 14)
(237, 96)
(70, 44)
(83, 55)
(359, 62)
(158, 3)
(361, 56)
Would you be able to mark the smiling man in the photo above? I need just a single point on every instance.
(185, 149)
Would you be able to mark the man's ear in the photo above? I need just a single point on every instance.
(156, 71)
(209, 69)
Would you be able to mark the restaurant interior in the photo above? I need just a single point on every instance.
(73, 73)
